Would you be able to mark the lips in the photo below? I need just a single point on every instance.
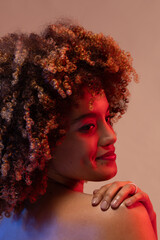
(109, 155)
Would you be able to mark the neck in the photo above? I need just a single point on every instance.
(61, 181)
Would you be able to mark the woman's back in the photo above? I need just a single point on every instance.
(71, 216)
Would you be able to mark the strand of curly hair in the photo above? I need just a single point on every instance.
(41, 78)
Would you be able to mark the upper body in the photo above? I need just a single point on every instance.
(61, 92)
(69, 215)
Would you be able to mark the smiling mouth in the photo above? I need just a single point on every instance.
(107, 157)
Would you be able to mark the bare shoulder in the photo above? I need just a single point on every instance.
(122, 223)
(131, 223)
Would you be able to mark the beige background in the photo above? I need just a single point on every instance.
(135, 25)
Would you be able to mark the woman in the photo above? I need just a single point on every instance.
(61, 92)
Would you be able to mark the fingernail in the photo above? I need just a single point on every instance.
(114, 203)
(104, 205)
(95, 201)
(128, 203)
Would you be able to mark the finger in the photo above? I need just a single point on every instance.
(127, 190)
(109, 191)
(109, 194)
(97, 198)
(133, 199)
(141, 197)
(98, 194)
(95, 191)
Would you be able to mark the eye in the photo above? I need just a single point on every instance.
(108, 119)
(87, 128)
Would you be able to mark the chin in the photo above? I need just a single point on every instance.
(110, 173)
(103, 175)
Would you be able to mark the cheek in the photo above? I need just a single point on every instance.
(77, 149)
(69, 150)
(90, 146)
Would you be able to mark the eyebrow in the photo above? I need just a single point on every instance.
(92, 114)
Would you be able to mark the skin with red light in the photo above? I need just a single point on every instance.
(88, 139)
(65, 209)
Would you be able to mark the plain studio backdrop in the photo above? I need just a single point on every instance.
(134, 24)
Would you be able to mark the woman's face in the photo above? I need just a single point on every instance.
(87, 151)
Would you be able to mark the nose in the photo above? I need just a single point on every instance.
(107, 135)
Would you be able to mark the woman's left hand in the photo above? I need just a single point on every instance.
(113, 194)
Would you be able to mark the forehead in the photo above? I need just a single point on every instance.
(90, 103)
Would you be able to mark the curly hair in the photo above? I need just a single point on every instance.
(42, 76)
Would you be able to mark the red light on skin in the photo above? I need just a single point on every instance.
(109, 158)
